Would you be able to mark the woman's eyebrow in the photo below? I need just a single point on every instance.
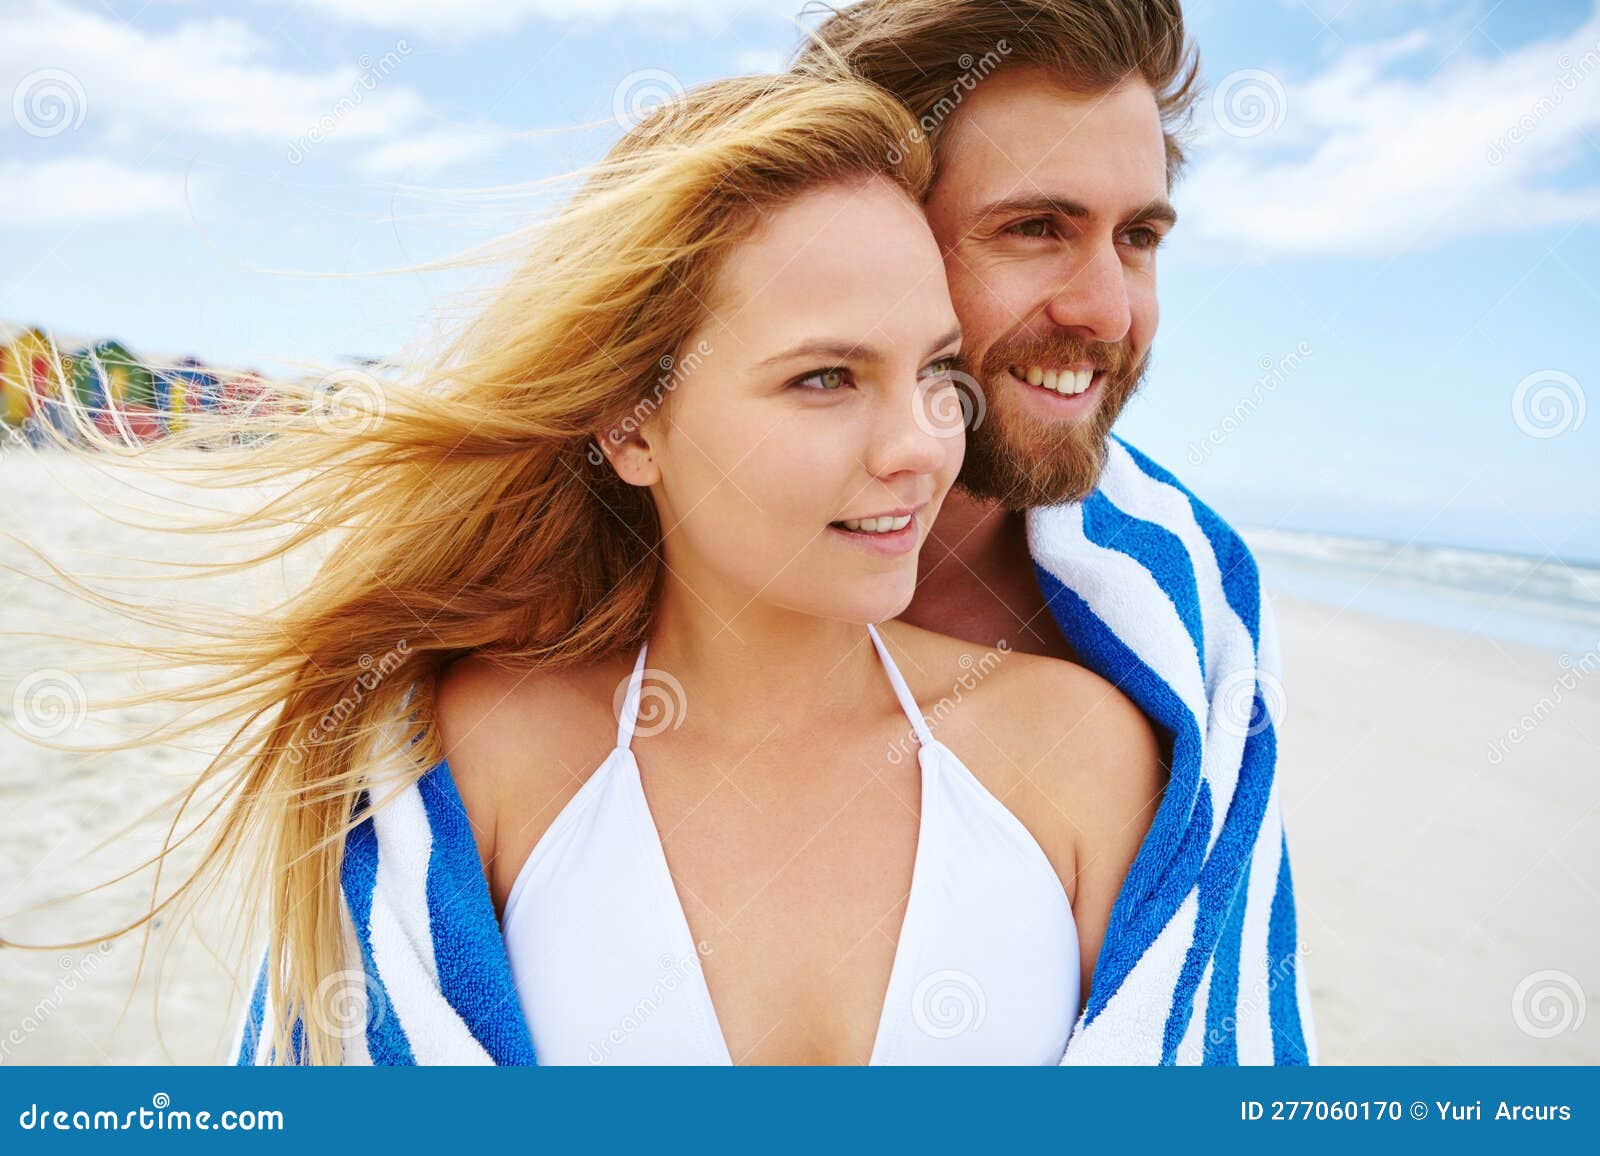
(841, 349)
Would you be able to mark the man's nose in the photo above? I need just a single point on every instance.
(1093, 302)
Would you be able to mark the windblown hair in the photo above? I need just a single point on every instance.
(461, 500)
(929, 53)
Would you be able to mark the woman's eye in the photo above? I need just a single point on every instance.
(826, 380)
(944, 366)
(1032, 227)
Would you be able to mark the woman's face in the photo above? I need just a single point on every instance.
(817, 392)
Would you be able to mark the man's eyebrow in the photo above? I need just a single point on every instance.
(1159, 210)
(840, 349)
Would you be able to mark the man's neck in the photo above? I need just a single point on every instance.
(976, 581)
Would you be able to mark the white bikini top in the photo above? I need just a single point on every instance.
(985, 972)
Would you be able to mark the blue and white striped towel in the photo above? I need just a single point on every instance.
(1200, 962)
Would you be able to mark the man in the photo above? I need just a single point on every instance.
(1056, 126)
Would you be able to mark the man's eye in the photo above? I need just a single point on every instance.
(1143, 238)
(1032, 227)
(827, 380)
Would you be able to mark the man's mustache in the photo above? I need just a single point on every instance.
(1111, 357)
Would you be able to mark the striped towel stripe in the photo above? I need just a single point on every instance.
(1201, 960)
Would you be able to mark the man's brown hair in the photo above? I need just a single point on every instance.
(930, 53)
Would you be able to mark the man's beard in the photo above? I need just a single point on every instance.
(1019, 459)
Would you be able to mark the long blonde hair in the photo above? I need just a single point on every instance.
(471, 510)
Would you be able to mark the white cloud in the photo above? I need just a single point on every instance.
(1364, 157)
(425, 153)
(74, 189)
(465, 18)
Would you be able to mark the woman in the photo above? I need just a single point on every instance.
(687, 456)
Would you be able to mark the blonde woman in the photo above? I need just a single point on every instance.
(686, 456)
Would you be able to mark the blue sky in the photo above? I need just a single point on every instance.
(1381, 308)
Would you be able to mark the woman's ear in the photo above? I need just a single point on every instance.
(629, 453)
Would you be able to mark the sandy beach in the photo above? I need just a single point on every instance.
(1439, 790)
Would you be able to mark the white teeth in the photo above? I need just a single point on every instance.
(883, 525)
(1067, 382)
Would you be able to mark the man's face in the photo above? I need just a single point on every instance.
(1048, 208)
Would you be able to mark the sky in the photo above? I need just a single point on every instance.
(1380, 307)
